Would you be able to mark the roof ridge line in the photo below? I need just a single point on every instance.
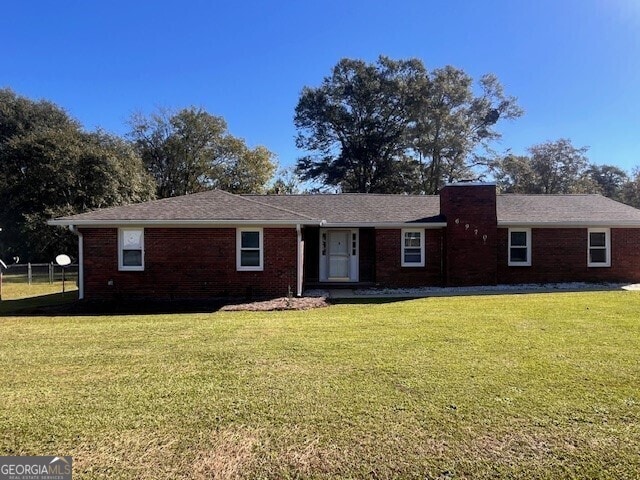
(269, 206)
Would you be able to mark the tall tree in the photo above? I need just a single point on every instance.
(514, 174)
(50, 167)
(609, 179)
(19, 115)
(287, 182)
(561, 167)
(551, 168)
(630, 191)
(355, 125)
(452, 122)
(191, 151)
(394, 127)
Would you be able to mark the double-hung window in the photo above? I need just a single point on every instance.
(412, 248)
(519, 247)
(250, 256)
(599, 249)
(131, 249)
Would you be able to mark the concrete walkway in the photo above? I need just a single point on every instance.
(371, 293)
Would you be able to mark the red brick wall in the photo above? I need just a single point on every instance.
(560, 255)
(367, 254)
(471, 234)
(188, 263)
(390, 273)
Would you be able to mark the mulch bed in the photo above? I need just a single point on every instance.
(283, 303)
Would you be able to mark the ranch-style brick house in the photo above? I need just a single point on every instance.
(216, 244)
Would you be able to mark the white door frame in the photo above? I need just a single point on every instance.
(353, 249)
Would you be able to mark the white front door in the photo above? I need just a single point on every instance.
(339, 255)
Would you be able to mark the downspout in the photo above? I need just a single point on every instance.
(442, 280)
(75, 230)
(300, 264)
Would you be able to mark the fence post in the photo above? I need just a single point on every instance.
(29, 272)
(50, 273)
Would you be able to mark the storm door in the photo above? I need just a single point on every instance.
(339, 255)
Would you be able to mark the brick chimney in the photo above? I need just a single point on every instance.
(471, 235)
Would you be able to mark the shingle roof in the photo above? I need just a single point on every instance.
(360, 208)
(213, 205)
(216, 206)
(564, 209)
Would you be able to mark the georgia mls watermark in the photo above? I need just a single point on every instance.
(35, 468)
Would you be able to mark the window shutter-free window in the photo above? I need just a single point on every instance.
(599, 250)
(250, 251)
(519, 247)
(412, 248)
(131, 249)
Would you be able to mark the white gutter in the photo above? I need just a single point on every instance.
(584, 224)
(300, 265)
(159, 223)
(75, 230)
(237, 223)
(325, 224)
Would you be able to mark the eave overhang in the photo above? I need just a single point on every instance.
(237, 222)
(580, 224)
(175, 223)
(383, 224)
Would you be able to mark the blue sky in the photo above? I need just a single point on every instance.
(573, 64)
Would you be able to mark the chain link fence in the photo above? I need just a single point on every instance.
(40, 273)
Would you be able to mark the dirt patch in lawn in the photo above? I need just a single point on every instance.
(283, 303)
(231, 454)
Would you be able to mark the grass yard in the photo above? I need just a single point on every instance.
(17, 296)
(20, 290)
(510, 386)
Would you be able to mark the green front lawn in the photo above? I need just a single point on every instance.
(510, 386)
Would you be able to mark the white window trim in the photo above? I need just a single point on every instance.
(241, 268)
(526, 263)
(129, 268)
(421, 231)
(607, 244)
